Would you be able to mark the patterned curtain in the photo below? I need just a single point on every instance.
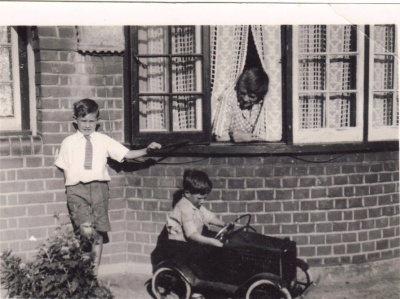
(385, 94)
(268, 44)
(327, 85)
(154, 77)
(228, 49)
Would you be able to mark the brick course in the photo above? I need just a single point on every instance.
(339, 212)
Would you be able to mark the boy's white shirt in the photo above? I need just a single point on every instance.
(72, 154)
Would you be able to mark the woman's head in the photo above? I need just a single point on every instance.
(251, 87)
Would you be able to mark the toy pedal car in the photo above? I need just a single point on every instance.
(249, 265)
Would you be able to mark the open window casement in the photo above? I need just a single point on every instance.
(229, 46)
(328, 66)
(171, 94)
(383, 84)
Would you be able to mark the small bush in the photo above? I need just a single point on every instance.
(61, 269)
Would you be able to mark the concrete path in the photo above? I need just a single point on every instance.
(379, 280)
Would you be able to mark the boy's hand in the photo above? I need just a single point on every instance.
(153, 146)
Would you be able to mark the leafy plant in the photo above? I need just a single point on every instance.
(62, 268)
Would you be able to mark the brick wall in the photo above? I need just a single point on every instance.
(338, 208)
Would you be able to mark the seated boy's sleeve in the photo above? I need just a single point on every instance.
(208, 215)
(188, 225)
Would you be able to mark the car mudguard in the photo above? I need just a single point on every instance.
(186, 273)
(279, 282)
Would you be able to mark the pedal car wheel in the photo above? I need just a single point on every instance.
(303, 277)
(266, 289)
(169, 284)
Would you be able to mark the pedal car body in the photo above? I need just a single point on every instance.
(249, 265)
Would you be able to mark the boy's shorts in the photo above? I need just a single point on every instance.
(88, 202)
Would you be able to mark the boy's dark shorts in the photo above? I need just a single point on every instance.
(88, 202)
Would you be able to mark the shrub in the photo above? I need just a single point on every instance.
(62, 268)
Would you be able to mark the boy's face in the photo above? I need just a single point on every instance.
(87, 124)
(196, 199)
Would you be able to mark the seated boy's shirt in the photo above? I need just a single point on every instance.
(72, 156)
(185, 219)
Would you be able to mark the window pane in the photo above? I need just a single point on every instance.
(153, 75)
(5, 64)
(383, 109)
(186, 74)
(5, 35)
(153, 113)
(153, 40)
(6, 101)
(312, 109)
(185, 40)
(312, 39)
(187, 113)
(384, 36)
(312, 73)
(342, 72)
(342, 38)
(341, 110)
(383, 72)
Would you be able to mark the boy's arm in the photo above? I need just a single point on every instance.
(217, 222)
(133, 154)
(202, 239)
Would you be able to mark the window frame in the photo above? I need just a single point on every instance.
(328, 135)
(286, 146)
(132, 133)
(383, 133)
(19, 44)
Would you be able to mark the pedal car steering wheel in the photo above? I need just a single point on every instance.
(228, 228)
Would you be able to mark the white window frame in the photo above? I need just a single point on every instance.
(329, 135)
(383, 132)
(14, 123)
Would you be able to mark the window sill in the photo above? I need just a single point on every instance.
(20, 144)
(272, 149)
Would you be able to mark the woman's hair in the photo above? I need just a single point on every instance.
(254, 80)
(196, 182)
(85, 107)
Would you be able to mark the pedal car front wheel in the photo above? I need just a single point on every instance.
(169, 284)
(266, 289)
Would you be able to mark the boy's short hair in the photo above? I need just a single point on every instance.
(85, 107)
(196, 182)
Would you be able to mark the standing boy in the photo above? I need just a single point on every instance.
(189, 216)
(83, 158)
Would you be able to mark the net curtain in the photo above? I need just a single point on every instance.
(229, 50)
(154, 77)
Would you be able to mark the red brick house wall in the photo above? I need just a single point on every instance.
(339, 208)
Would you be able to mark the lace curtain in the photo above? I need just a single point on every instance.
(154, 75)
(229, 50)
(385, 88)
(327, 79)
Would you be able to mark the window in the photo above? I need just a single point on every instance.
(170, 94)
(328, 83)
(14, 87)
(328, 88)
(383, 84)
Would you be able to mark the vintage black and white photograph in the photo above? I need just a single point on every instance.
(199, 150)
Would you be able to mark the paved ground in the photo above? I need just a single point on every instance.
(380, 280)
